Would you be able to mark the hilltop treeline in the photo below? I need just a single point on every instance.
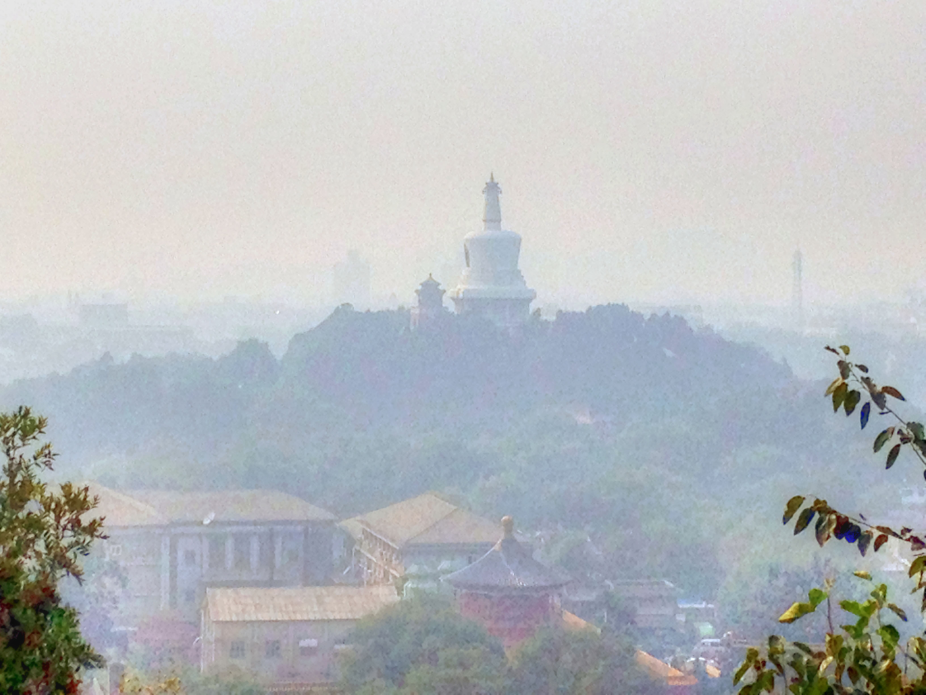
(635, 444)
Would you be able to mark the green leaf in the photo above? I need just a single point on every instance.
(804, 519)
(845, 350)
(740, 672)
(863, 416)
(796, 611)
(832, 387)
(862, 574)
(892, 456)
(852, 399)
(898, 611)
(816, 597)
(751, 655)
(916, 429)
(883, 438)
(890, 635)
(917, 566)
(791, 508)
(891, 391)
(839, 395)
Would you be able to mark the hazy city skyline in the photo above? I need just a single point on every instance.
(655, 152)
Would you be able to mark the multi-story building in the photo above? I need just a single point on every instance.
(421, 536)
(284, 636)
(173, 545)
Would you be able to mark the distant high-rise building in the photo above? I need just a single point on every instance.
(797, 291)
(492, 285)
(352, 280)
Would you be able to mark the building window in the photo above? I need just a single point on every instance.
(242, 552)
(272, 649)
(216, 551)
(308, 647)
(189, 557)
(236, 651)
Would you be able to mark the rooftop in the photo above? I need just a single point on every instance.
(307, 603)
(508, 566)
(160, 507)
(424, 520)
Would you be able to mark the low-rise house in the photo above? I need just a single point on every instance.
(171, 546)
(285, 636)
(425, 533)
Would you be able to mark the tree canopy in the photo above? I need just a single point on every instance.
(423, 645)
(44, 530)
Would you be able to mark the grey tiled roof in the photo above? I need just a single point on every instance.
(161, 508)
(231, 506)
(508, 567)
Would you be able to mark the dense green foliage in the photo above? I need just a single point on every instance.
(558, 661)
(43, 531)
(630, 433)
(423, 645)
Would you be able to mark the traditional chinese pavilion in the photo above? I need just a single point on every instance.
(508, 591)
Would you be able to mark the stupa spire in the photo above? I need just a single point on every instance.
(493, 211)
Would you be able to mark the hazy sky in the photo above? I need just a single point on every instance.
(661, 151)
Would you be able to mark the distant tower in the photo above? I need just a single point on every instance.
(491, 284)
(797, 291)
(430, 304)
(351, 281)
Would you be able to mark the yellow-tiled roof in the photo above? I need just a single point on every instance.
(425, 520)
(307, 603)
(660, 670)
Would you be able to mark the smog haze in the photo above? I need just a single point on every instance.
(647, 151)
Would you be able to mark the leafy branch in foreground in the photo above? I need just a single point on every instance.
(831, 523)
(864, 656)
(43, 532)
(861, 658)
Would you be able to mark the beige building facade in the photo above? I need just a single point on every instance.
(285, 635)
(172, 546)
(418, 539)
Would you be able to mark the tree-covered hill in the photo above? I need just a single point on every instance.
(644, 438)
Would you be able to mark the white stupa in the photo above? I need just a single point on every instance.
(491, 284)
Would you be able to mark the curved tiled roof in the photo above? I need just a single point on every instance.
(508, 566)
